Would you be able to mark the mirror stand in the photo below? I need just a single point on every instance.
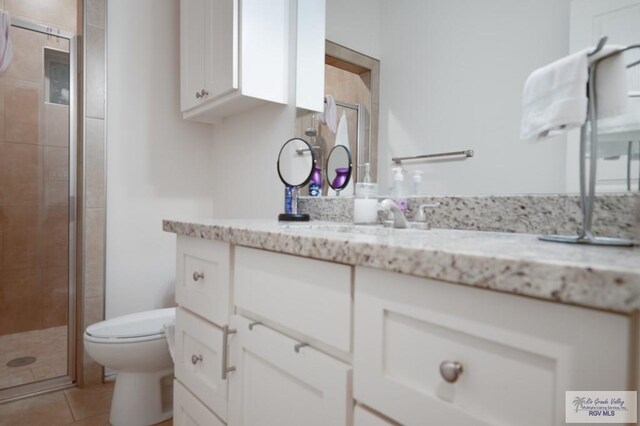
(294, 216)
(296, 164)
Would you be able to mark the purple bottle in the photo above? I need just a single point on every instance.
(339, 182)
(315, 185)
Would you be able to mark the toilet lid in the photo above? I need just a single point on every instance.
(141, 324)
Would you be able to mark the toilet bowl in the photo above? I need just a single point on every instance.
(135, 346)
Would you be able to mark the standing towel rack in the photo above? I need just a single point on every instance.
(588, 187)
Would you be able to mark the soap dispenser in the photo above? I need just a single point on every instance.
(397, 194)
(365, 204)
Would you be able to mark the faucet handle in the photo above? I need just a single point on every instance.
(421, 213)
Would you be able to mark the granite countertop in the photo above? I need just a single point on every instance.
(597, 277)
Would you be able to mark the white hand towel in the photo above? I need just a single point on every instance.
(611, 83)
(6, 50)
(330, 115)
(555, 96)
(342, 138)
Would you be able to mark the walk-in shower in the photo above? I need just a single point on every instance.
(38, 158)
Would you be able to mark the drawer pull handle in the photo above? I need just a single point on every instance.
(226, 331)
(299, 346)
(196, 359)
(253, 324)
(450, 370)
(197, 276)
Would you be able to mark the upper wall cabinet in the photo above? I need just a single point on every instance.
(234, 54)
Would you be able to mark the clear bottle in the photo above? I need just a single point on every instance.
(416, 181)
(365, 204)
(397, 193)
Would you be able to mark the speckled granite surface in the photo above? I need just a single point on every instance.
(614, 215)
(597, 277)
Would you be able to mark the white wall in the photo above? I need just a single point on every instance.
(158, 165)
(245, 151)
(452, 74)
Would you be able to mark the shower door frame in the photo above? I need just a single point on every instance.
(68, 380)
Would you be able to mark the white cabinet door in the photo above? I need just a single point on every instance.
(221, 48)
(264, 49)
(518, 355)
(188, 411)
(192, 51)
(310, 55)
(308, 296)
(198, 360)
(203, 277)
(273, 385)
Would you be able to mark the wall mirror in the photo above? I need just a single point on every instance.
(351, 79)
(451, 75)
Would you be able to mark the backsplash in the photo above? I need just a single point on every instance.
(614, 215)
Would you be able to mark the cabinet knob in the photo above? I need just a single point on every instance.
(198, 95)
(450, 370)
(196, 359)
(197, 276)
(203, 93)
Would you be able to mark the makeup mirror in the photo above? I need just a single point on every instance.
(296, 162)
(339, 169)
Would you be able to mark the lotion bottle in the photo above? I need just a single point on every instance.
(397, 194)
(416, 181)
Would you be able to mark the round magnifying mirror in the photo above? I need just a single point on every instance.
(295, 167)
(339, 168)
(295, 163)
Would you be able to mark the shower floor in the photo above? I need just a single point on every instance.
(48, 346)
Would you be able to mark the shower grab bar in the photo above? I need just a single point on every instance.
(467, 153)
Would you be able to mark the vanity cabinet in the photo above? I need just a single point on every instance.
(517, 356)
(234, 54)
(268, 338)
(277, 381)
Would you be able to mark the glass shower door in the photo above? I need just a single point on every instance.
(37, 177)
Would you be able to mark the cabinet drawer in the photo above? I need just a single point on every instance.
(518, 355)
(198, 362)
(202, 278)
(308, 296)
(273, 385)
(188, 411)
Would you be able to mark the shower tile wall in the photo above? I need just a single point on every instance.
(94, 185)
(34, 191)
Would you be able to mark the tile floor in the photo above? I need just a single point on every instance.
(49, 346)
(79, 407)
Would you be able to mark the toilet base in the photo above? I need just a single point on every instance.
(138, 399)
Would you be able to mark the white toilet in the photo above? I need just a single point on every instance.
(136, 347)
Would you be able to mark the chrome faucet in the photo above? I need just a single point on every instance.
(399, 220)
